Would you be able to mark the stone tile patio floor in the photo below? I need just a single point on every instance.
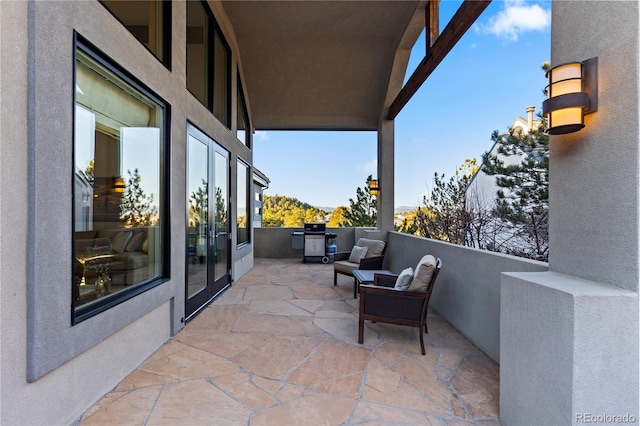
(280, 348)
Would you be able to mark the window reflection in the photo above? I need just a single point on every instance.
(222, 80)
(198, 52)
(208, 62)
(148, 21)
(243, 212)
(117, 184)
(243, 132)
(198, 215)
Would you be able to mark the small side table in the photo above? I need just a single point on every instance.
(365, 276)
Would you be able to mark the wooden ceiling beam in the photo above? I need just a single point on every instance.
(465, 16)
(432, 23)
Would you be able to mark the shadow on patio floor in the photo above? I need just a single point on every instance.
(280, 348)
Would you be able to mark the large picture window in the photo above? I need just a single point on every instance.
(243, 204)
(149, 21)
(118, 185)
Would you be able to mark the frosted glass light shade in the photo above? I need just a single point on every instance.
(568, 101)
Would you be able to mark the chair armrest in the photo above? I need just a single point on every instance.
(390, 291)
(384, 280)
(342, 255)
(374, 262)
(390, 303)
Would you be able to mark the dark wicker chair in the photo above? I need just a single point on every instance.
(381, 302)
(343, 266)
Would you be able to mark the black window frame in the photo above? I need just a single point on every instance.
(242, 109)
(228, 69)
(248, 202)
(166, 33)
(214, 31)
(101, 305)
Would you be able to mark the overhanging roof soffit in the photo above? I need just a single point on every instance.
(319, 64)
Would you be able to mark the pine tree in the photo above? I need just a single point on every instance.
(523, 194)
(198, 205)
(444, 215)
(338, 217)
(221, 210)
(363, 211)
(137, 208)
(89, 172)
(409, 225)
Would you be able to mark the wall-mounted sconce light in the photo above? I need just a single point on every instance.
(374, 189)
(573, 92)
(118, 185)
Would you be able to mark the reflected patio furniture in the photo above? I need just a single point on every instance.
(91, 267)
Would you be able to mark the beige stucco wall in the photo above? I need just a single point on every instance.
(594, 193)
(276, 242)
(569, 337)
(467, 292)
(50, 371)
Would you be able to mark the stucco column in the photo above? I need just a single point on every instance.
(569, 337)
(594, 193)
(386, 174)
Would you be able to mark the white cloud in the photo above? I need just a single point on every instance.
(517, 17)
(419, 141)
(261, 135)
(370, 167)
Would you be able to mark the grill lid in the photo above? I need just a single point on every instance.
(315, 228)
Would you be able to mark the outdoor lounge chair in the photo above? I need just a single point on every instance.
(382, 302)
(346, 262)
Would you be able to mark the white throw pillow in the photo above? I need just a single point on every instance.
(404, 279)
(357, 253)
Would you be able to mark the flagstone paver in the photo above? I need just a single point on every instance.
(280, 348)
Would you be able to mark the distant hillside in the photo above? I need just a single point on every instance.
(404, 209)
(275, 201)
(326, 209)
(401, 209)
(288, 212)
(281, 211)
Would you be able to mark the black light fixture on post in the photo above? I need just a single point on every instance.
(374, 189)
(573, 92)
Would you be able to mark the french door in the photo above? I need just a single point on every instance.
(208, 240)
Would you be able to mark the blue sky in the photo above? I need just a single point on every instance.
(486, 81)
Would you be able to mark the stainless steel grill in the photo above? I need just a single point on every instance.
(315, 228)
(314, 242)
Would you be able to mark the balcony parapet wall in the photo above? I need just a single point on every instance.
(467, 292)
(276, 242)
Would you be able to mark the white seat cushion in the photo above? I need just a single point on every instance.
(345, 266)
